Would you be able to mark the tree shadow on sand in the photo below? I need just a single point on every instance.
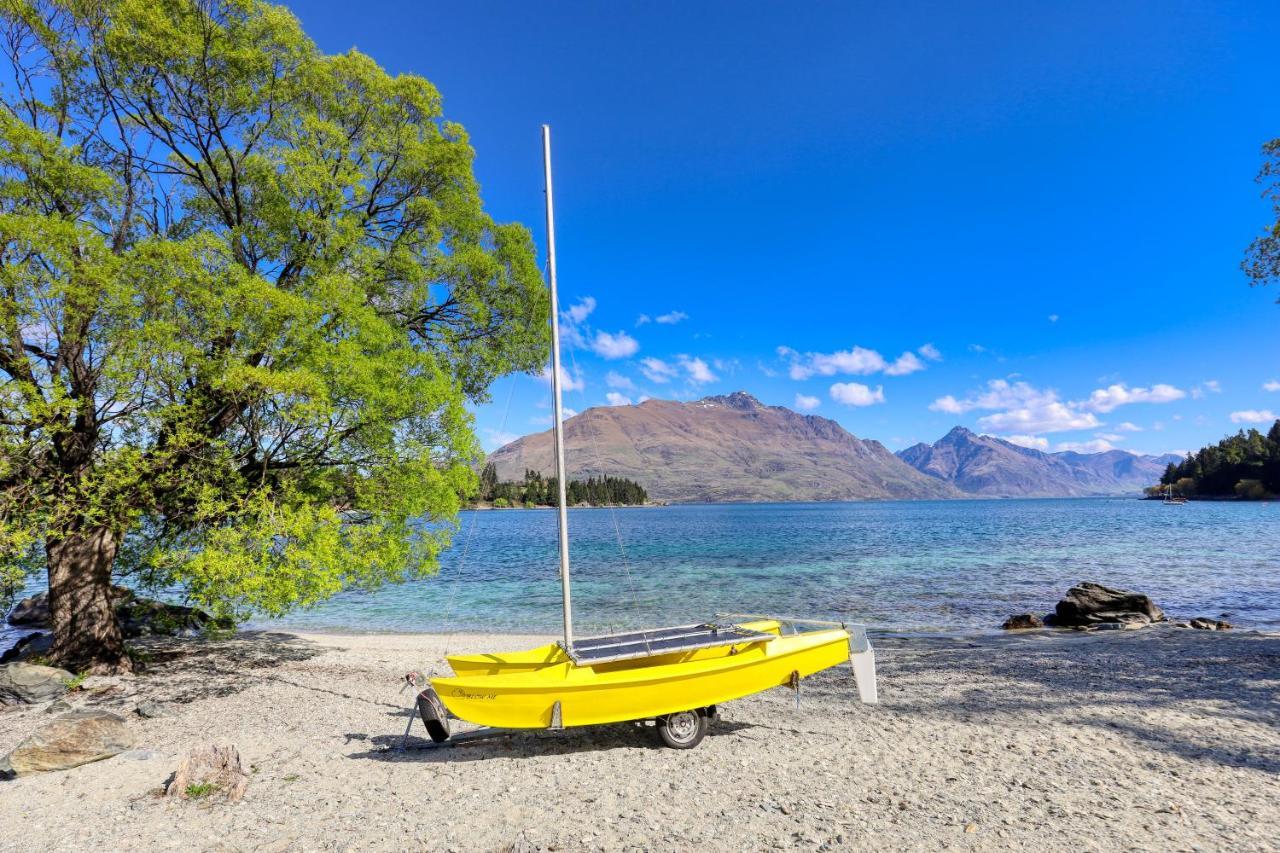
(180, 670)
(1228, 683)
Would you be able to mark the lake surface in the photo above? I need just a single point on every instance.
(904, 565)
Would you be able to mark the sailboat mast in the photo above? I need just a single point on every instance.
(562, 510)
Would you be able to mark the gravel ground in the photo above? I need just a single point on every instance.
(1163, 739)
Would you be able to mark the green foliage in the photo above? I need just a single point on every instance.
(1251, 490)
(1246, 465)
(200, 790)
(75, 682)
(535, 490)
(246, 292)
(1262, 259)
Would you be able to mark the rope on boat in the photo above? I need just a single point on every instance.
(592, 438)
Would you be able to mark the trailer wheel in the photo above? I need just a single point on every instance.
(683, 729)
(434, 716)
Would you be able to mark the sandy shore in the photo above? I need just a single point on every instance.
(1159, 740)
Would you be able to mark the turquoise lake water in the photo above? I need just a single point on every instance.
(908, 565)
(905, 566)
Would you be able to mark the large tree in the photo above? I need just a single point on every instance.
(246, 291)
(1262, 260)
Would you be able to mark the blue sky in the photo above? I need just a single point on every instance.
(1023, 218)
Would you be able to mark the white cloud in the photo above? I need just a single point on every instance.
(1113, 396)
(1272, 385)
(494, 438)
(729, 366)
(1213, 385)
(1027, 409)
(806, 403)
(1253, 416)
(858, 361)
(947, 404)
(657, 370)
(905, 364)
(999, 394)
(856, 394)
(567, 382)
(610, 346)
(1128, 427)
(697, 369)
(1097, 445)
(1035, 442)
(642, 319)
(671, 318)
(978, 348)
(1110, 436)
(766, 369)
(581, 310)
(1039, 417)
(614, 379)
(1053, 318)
(616, 399)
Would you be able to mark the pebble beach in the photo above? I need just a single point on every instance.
(1161, 739)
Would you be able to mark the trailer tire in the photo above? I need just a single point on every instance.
(434, 716)
(683, 729)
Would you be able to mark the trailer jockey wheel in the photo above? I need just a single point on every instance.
(683, 729)
(434, 716)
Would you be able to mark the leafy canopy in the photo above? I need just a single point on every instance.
(246, 290)
(1262, 260)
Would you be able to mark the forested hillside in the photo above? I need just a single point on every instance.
(1246, 465)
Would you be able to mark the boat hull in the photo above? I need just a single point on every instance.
(635, 689)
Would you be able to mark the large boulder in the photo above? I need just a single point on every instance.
(1088, 604)
(138, 616)
(70, 740)
(37, 643)
(31, 612)
(30, 684)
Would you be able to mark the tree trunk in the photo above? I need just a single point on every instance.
(86, 636)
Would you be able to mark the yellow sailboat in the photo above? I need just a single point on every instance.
(675, 677)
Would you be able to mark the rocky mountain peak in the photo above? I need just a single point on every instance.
(737, 400)
(959, 432)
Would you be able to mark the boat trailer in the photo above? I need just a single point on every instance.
(607, 648)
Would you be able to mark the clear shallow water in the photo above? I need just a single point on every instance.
(908, 565)
(911, 565)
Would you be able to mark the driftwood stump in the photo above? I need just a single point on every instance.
(207, 771)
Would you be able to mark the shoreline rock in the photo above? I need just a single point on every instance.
(1022, 622)
(69, 740)
(1089, 604)
(1204, 623)
(31, 684)
(138, 616)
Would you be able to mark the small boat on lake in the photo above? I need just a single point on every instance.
(675, 677)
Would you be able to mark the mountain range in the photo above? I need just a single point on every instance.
(735, 448)
(992, 467)
(724, 448)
